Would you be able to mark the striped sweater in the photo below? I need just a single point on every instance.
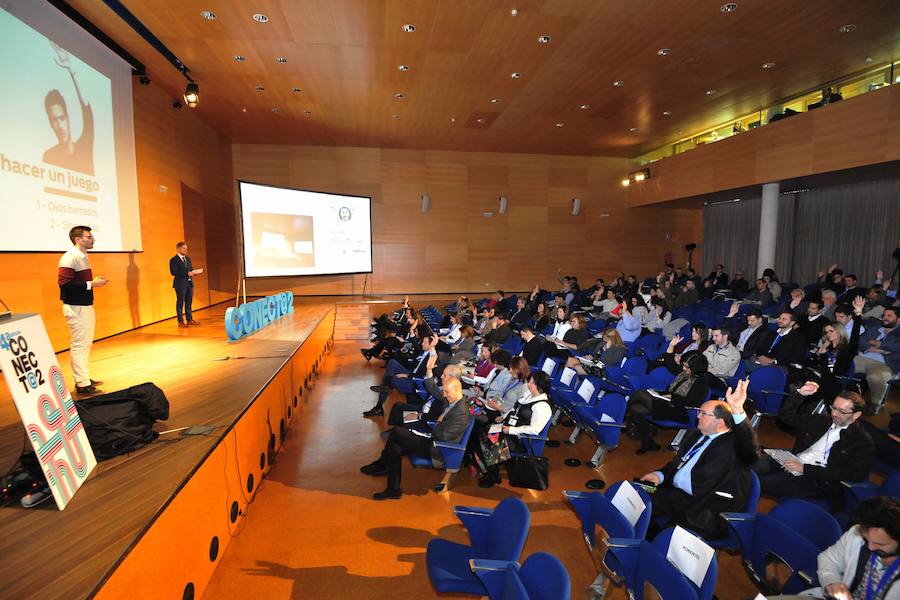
(75, 278)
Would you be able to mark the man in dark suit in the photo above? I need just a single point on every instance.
(183, 272)
(450, 427)
(534, 346)
(710, 473)
(751, 337)
(398, 375)
(813, 322)
(501, 331)
(787, 347)
(831, 447)
(520, 315)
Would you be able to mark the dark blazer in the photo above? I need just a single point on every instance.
(791, 348)
(758, 342)
(450, 429)
(811, 330)
(890, 344)
(533, 349)
(851, 457)
(179, 270)
(723, 467)
(519, 317)
(500, 335)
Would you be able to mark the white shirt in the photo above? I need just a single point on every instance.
(540, 415)
(560, 329)
(817, 454)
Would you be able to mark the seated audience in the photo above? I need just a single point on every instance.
(500, 330)
(395, 370)
(576, 335)
(829, 304)
(710, 473)
(464, 348)
(534, 346)
(761, 296)
(629, 326)
(417, 415)
(772, 284)
(610, 350)
(830, 448)
(723, 358)
(738, 286)
(520, 314)
(812, 323)
(719, 277)
(788, 346)
(843, 315)
(879, 356)
(678, 347)
(658, 316)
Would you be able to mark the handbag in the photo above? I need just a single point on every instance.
(529, 471)
(493, 453)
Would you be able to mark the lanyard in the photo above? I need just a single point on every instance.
(687, 457)
(885, 577)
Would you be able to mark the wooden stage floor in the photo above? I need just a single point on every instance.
(45, 553)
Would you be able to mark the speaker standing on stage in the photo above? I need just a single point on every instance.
(183, 271)
(76, 290)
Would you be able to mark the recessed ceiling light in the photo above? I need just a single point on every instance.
(239, 58)
(495, 101)
(585, 106)
(453, 119)
(560, 124)
(399, 96)
(208, 15)
(514, 11)
(480, 120)
(260, 18)
(243, 110)
(769, 65)
(727, 8)
(403, 68)
(868, 59)
(296, 90)
(664, 51)
(515, 75)
(409, 28)
(276, 110)
(667, 113)
(307, 113)
(633, 129)
(396, 116)
(544, 39)
(618, 83)
(280, 60)
(847, 28)
(260, 88)
(711, 92)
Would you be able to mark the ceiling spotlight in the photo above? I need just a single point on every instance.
(618, 83)
(544, 39)
(560, 124)
(208, 15)
(514, 11)
(515, 75)
(280, 60)
(276, 110)
(626, 182)
(403, 68)
(409, 28)
(868, 59)
(453, 119)
(639, 176)
(192, 94)
(710, 92)
(396, 116)
(847, 28)
(260, 88)
(239, 58)
(480, 120)
(307, 113)
(667, 113)
(399, 96)
(633, 129)
(727, 8)
(495, 101)
(664, 51)
(585, 106)
(296, 90)
(243, 110)
(260, 18)
(769, 65)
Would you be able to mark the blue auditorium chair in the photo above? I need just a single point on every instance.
(541, 577)
(809, 520)
(453, 456)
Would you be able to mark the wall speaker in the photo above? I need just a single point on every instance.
(576, 206)
(503, 203)
(426, 200)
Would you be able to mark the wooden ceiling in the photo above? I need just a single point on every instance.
(344, 56)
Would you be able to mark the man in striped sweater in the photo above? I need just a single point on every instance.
(76, 290)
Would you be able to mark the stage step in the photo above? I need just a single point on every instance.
(352, 322)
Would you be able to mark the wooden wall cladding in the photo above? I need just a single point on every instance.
(853, 133)
(172, 147)
(454, 247)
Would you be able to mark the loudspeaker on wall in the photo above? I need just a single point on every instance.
(425, 202)
(576, 206)
(503, 203)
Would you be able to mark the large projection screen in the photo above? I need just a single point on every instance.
(290, 232)
(67, 142)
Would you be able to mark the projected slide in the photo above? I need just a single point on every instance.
(298, 232)
(67, 147)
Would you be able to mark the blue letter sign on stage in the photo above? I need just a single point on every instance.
(250, 317)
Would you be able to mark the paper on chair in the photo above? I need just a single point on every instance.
(410, 416)
(628, 502)
(586, 390)
(659, 396)
(567, 375)
(689, 554)
(605, 418)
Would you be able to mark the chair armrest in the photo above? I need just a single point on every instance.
(484, 564)
(736, 516)
(448, 445)
(538, 438)
(810, 578)
(492, 574)
(623, 543)
(599, 423)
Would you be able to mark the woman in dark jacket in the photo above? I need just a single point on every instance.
(690, 389)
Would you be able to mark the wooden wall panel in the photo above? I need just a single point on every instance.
(852, 133)
(453, 247)
(171, 147)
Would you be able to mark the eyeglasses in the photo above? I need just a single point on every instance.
(708, 414)
(841, 410)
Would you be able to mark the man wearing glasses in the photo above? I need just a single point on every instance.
(710, 472)
(830, 447)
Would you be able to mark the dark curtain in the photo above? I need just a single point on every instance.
(731, 236)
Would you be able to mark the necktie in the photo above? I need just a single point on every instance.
(775, 342)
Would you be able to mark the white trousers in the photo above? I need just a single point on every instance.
(81, 321)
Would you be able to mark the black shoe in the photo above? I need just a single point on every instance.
(648, 446)
(88, 390)
(388, 494)
(489, 480)
(380, 388)
(365, 354)
(95, 383)
(374, 412)
(375, 469)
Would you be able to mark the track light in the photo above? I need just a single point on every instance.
(192, 94)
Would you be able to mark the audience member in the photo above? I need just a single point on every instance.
(788, 346)
(879, 358)
(533, 348)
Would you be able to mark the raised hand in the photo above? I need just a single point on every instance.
(735, 307)
(879, 274)
(858, 304)
(738, 396)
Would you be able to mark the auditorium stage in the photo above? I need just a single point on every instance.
(208, 381)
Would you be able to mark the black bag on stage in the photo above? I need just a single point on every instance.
(122, 421)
